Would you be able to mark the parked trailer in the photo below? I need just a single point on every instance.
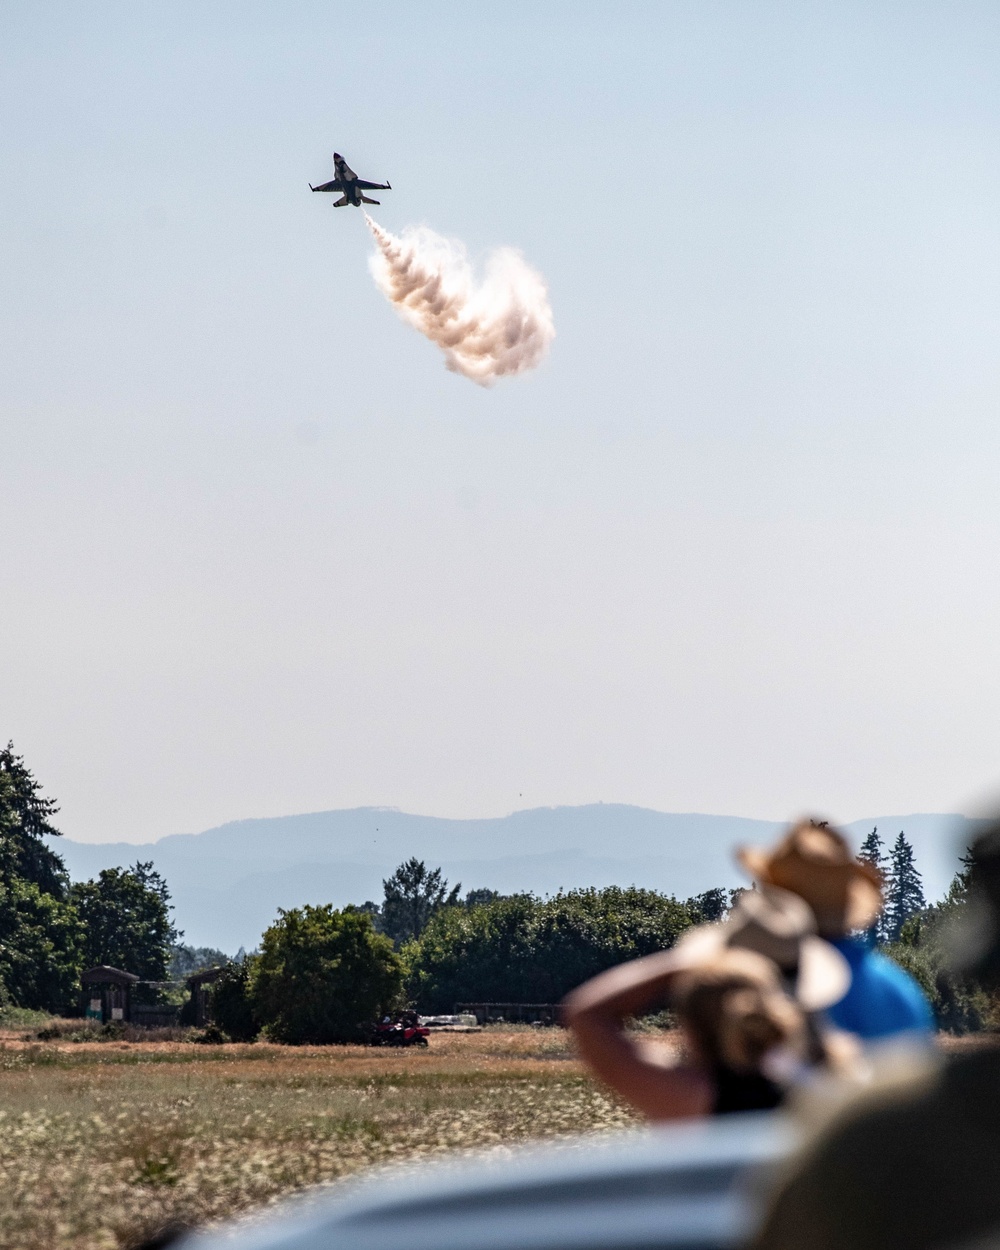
(511, 1013)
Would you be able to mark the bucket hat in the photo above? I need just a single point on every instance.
(816, 863)
(779, 925)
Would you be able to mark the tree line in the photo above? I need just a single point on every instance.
(51, 929)
(428, 946)
(323, 974)
(320, 974)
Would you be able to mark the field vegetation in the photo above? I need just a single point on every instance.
(103, 1143)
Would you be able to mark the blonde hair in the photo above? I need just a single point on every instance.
(734, 1009)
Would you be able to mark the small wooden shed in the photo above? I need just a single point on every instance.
(107, 993)
(201, 995)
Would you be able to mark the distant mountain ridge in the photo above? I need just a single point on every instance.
(228, 882)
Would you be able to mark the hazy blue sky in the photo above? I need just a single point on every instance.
(733, 548)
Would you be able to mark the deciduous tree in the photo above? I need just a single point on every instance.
(126, 919)
(524, 949)
(40, 942)
(323, 976)
(708, 907)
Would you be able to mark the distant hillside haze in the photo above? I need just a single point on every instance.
(228, 883)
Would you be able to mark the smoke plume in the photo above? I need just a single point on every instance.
(497, 328)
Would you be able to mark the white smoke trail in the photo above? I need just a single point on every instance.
(496, 329)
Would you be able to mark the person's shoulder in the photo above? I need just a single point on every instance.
(870, 966)
(883, 966)
(883, 999)
(894, 980)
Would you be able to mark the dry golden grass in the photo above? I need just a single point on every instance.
(100, 1143)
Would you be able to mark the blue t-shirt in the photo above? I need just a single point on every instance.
(883, 999)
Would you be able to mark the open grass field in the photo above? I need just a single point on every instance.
(102, 1143)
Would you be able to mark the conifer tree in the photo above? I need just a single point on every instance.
(961, 883)
(25, 819)
(39, 931)
(873, 852)
(412, 895)
(905, 893)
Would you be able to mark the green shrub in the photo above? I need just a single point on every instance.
(323, 976)
(210, 1035)
(19, 1017)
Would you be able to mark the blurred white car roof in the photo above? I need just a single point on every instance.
(693, 1186)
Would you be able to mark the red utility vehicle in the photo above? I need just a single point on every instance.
(403, 1029)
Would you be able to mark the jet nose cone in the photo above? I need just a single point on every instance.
(337, 156)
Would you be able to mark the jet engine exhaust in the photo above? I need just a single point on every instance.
(493, 329)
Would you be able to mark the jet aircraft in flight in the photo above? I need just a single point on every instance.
(350, 185)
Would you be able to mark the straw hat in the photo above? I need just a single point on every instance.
(816, 863)
(780, 926)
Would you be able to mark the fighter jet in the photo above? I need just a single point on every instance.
(348, 182)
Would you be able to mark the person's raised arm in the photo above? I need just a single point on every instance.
(647, 1075)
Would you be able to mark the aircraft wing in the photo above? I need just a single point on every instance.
(335, 185)
(370, 186)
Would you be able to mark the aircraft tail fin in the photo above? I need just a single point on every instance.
(341, 202)
(366, 200)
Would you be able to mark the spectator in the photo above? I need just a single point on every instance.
(815, 862)
(742, 991)
(915, 1167)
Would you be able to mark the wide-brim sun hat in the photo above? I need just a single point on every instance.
(815, 862)
(779, 925)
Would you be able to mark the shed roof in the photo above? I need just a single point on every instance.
(205, 976)
(103, 975)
